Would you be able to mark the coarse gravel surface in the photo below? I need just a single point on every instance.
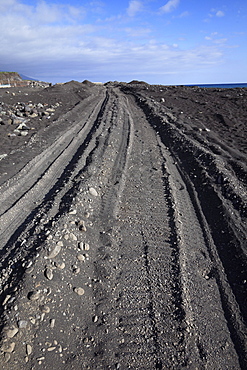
(123, 227)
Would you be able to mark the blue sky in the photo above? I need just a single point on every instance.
(157, 41)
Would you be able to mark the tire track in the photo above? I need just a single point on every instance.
(157, 294)
(51, 188)
(224, 249)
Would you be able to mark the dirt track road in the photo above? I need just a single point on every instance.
(123, 245)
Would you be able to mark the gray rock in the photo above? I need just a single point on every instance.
(44, 309)
(81, 257)
(93, 192)
(55, 251)
(48, 273)
(22, 324)
(79, 291)
(9, 348)
(82, 226)
(95, 318)
(60, 265)
(73, 237)
(10, 333)
(29, 349)
(34, 295)
(24, 133)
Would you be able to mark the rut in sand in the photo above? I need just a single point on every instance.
(110, 255)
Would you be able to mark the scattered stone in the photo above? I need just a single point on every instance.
(6, 299)
(60, 265)
(8, 348)
(11, 332)
(93, 192)
(50, 349)
(52, 323)
(34, 295)
(44, 309)
(79, 291)
(2, 156)
(40, 358)
(76, 269)
(73, 237)
(32, 320)
(7, 357)
(48, 273)
(55, 251)
(73, 212)
(86, 247)
(22, 324)
(81, 225)
(95, 318)
(81, 246)
(29, 349)
(81, 257)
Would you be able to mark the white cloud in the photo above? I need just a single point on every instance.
(134, 7)
(170, 6)
(216, 13)
(63, 47)
(219, 13)
(138, 32)
(184, 14)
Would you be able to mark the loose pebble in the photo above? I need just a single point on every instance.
(8, 348)
(6, 299)
(34, 295)
(73, 237)
(81, 225)
(40, 358)
(7, 357)
(79, 291)
(81, 246)
(73, 212)
(76, 269)
(50, 349)
(22, 324)
(95, 318)
(81, 257)
(60, 265)
(48, 274)
(55, 251)
(12, 332)
(29, 349)
(52, 323)
(45, 309)
(93, 192)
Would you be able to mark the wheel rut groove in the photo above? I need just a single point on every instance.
(115, 236)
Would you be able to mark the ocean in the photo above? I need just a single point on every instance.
(221, 86)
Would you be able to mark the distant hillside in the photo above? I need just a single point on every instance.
(8, 77)
(15, 79)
